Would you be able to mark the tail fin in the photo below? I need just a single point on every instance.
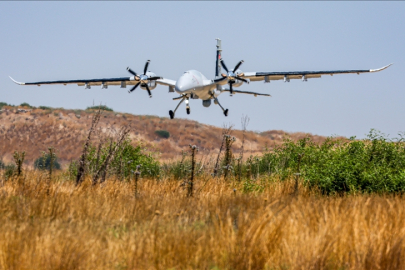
(218, 64)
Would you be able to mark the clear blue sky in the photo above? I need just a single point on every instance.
(83, 40)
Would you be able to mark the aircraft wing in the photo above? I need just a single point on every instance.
(286, 76)
(246, 92)
(166, 82)
(94, 82)
(106, 81)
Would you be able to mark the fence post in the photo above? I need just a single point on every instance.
(297, 175)
(137, 173)
(191, 184)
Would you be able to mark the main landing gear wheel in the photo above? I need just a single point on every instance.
(188, 110)
(226, 112)
(171, 113)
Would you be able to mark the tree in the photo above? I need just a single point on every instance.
(44, 163)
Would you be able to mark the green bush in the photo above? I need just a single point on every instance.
(178, 169)
(2, 104)
(124, 161)
(44, 163)
(9, 170)
(45, 108)
(163, 133)
(102, 107)
(337, 166)
(25, 104)
(71, 173)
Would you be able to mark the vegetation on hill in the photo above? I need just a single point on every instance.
(163, 133)
(100, 107)
(2, 104)
(45, 108)
(25, 104)
(66, 130)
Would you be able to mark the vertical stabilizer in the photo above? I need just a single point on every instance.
(218, 64)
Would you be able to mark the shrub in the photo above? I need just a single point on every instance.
(44, 163)
(178, 169)
(9, 170)
(163, 133)
(25, 104)
(45, 108)
(124, 161)
(2, 104)
(375, 164)
(72, 170)
(101, 107)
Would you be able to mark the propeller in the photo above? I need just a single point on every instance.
(231, 75)
(142, 79)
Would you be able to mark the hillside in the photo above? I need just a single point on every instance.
(34, 130)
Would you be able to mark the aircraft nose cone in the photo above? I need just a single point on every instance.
(181, 84)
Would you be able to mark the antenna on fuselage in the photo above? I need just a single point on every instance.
(218, 63)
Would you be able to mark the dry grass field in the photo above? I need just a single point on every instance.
(220, 227)
(66, 130)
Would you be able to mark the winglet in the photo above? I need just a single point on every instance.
(379, 69)
(20, 83)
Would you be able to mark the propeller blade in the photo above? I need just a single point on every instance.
(154, 78)
(223, 65)
(238, 65)
(131, 71)
(220, 79)
(147, 89)
(230, 88)
(133, 88)
(242, 79)
(146, 67)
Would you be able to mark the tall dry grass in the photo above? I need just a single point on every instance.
(107, 227)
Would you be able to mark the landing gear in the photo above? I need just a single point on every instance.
(171, 113)
(216, 101)
(187, 106)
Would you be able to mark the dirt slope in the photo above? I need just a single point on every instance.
(35, 130)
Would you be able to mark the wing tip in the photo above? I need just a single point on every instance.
(379, 69)
(19, 83)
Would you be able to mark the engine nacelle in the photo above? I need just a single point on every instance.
(237, 82)
(206, 103)
(151, 84)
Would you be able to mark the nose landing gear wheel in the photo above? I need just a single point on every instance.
(226, 112)
(171, 113)
(188, 110)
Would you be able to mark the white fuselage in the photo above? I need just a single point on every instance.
(194, 82)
